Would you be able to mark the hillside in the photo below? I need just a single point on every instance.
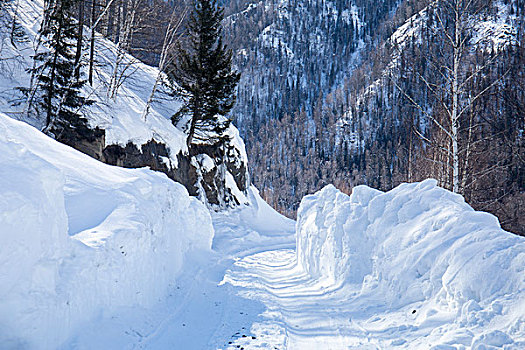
(294, 52)
(380, 127)
(131, 137)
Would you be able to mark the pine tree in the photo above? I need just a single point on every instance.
(59, 96)
(204, 76)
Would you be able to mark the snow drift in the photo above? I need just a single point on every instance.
(422, 247)
(79, 238)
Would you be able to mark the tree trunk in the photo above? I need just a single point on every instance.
(455, 101)
(51, 92)
(167, 44)
(80, 37)
(92, 44)
(192, 130)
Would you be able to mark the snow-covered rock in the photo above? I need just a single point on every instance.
(79, 238)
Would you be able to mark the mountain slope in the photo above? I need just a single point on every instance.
(380, 128)
(294, 51)
(131, 137)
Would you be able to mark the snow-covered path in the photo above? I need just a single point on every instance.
(301, 313)
(412, 268)
(256, 292)
(202, 311)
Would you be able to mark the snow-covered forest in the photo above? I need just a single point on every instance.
(364, 95)
(292, 174)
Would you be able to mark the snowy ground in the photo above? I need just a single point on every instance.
(199, 311)
(123, 116)
(413, 268)
(100, 257)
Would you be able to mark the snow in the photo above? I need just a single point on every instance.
(122, 117)
(497, 31)
(199, 312)
(410, 30)
(205, 162)
(232, 185)
(412, 268)
(80, 238)
(94, 256)
(252, 228)
(238, 143)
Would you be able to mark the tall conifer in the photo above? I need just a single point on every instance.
(204, 75)
(59, 87)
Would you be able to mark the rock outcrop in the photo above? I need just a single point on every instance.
(216, 173)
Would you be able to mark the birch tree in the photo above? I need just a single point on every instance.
(167, 55)
(126, 22)
(453, 71)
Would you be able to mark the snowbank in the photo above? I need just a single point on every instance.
(252, 228)
(79, 238)
(262, 217)
(422, 247)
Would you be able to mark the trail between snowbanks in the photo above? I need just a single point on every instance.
(413, 268)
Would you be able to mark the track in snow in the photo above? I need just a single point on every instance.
(301, 313)
(251, 293)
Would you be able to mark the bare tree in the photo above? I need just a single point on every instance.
(453, 71)
(167, 55)
(126, 22)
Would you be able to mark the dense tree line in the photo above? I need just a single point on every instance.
(290, 52)
(390, 121)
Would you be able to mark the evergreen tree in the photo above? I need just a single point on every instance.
(59, 96)
(204, 76)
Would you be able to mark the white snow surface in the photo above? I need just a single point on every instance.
(413, 268)
(80, 239)
(497, 31)
(99, 257)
